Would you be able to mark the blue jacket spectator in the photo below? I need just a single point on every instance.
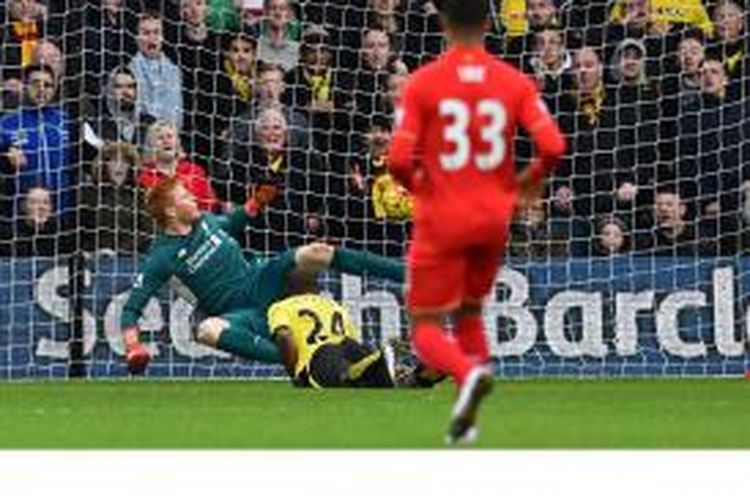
(37, 141)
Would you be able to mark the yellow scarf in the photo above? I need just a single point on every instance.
(28, 34)
(731, 61)
(321, 86)
(276, 164)
(243, 88)
(591, 105)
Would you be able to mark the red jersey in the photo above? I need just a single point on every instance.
(453, 142)
(192, 177)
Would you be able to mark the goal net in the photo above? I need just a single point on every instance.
(631, 264)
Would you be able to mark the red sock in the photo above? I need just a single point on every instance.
(471, 337)
(440, 352)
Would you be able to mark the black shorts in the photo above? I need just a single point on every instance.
(331, 366)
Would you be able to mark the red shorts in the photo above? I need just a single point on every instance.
(441, 278)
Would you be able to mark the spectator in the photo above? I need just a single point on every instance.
(320, 92)
(279, 35)
(423, 36)
(662, 16)
(165, 157)
(38, 231)
(109, 41)
(37, 142)
(120, 119)
(611, 237)
(533, 235)
(637, 131)
(551, 64)
(712, 136)
(583, 183)
(684, 83)
(534, 16)
(681, 89)
(12, 90)
(69, 79)
(730, 45)
(237, 83)
(25, 27)
(395, 86)
(670, 233)
(377, 62)
(112, 213)
(301, 209)
(271, 91)
(159, 79)
(539, 15)
(198, 50)
(660, 29)
(379, 209)
(47, 53)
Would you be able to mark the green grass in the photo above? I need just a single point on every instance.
(692, 413)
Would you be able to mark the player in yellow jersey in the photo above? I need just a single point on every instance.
(319, 344)
(321, 347)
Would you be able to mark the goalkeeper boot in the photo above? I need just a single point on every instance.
(476, 386)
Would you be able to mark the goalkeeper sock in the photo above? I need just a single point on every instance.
(471, 337)
(244, 344)
(439, 351)
(361, 263)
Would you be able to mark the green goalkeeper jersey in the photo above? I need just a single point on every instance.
(208, 262)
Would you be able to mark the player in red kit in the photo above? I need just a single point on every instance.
(453, 149)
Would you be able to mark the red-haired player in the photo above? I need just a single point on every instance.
(453, 149)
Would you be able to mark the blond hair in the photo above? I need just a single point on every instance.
(153, 130)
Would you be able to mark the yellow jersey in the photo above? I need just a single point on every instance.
(513, 16)
(312, 321)
(690, 12)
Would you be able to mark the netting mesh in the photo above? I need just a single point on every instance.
(631, 263)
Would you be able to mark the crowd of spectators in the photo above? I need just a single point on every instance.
(101, 99)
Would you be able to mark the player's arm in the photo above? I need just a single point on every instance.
(544, 132)
(259, 197)
(279, 326)
(153, 276)
(285, 342)
(408, 128)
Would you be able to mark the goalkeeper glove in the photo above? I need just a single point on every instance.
(136, 354)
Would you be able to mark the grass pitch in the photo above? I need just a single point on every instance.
(689, 413)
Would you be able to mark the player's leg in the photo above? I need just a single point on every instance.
(328, 367)
(235, 333)
(483, 265)
(481, 269)
(317, 257)
(435, 289)
(367, 365)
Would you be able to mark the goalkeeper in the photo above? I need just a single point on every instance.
(200, 251)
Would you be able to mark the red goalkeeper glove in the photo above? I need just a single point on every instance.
(137, 357)
(260, 197)
(136, 354)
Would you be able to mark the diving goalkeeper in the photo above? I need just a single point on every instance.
(200, 251)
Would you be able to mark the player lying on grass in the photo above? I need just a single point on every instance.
(200, 251)
(321, 347)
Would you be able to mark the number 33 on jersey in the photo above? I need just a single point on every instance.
(456, 126)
